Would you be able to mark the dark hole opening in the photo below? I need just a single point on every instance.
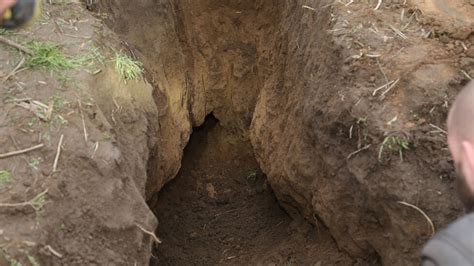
(220, 206)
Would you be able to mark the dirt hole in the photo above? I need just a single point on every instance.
(221, 210)
(216, 56)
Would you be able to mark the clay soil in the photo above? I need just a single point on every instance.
(221, 210)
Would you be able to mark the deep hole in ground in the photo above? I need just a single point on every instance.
(220, 209)
(287, 76)
(299, 77)
(214, 57)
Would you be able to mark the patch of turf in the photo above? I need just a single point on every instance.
(5, 178)
(128, 68)
(48, 55)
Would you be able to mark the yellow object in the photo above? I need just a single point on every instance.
(22, 14)
(7, 15)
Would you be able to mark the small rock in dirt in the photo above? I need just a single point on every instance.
(444, 39)
(472, 2)
(46, 172)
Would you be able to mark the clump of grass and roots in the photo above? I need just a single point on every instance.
(5, 178)
(49, 55)
(395, 144)
(128, 68)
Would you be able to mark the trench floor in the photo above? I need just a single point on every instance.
(221, 210)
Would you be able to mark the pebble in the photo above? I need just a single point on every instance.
(444, 39)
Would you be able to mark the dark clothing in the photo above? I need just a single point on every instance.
(452, 246)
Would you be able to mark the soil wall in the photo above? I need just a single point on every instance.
(304, 75)
(204, 57)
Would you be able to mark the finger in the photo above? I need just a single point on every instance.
(4, 4)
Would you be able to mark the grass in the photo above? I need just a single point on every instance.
(5, 178)
(10, 260)
(394, 143)
(127, 68)
(5, 32)
(95, 54)
(13, 262)
(34, 163)
(49, 113)
(39, 201)
(33, 261)
(106, 136)
(49, 55)
(64, 79)
(252, 176)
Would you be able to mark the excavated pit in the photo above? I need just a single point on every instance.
(220, 209)
(290, 78)
(215, 57)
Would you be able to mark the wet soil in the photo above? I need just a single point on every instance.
(221, 210)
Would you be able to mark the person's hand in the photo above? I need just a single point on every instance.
(4, 4)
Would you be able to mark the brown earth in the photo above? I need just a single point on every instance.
(341, 106)
(221, 210)
(93, 203)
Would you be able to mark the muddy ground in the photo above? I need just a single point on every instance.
(261, 132)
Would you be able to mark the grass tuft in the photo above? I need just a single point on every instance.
(394, 143)
(39, 201)
(11, 261)
(5, 178)
(33, 261)
(5, 32)
(128, 68)
(48, 55)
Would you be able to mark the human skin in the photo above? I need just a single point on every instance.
(461, 143)
(4, 4)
